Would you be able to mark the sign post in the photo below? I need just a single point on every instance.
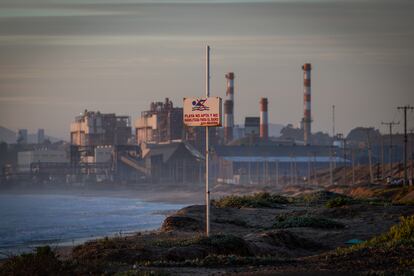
(204, 112)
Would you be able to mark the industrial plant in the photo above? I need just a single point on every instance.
(159, 148)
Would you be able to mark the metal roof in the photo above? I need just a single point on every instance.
(275, 151)
(283, 159)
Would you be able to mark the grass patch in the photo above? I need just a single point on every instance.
(404, 202)
(339, 202)
(237, 222)
(283, 222)
(216, 261)
(223, 244)
(258, 200)
(319, 197)
(401, 234)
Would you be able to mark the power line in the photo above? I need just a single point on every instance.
(405, 108)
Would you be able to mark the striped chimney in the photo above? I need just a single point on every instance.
(229, 109)
(307, 120)
(264, 126)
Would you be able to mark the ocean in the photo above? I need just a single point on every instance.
(28, 221)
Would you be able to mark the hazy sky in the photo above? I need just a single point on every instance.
(59, 57)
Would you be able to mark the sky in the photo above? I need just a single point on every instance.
(60, 57)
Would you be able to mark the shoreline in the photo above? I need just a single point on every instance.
(65, 246)
(146, 193)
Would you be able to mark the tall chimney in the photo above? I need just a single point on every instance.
(307, 120)
(229, 109)
(264, 127)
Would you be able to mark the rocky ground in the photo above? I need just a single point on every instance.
(264, 233)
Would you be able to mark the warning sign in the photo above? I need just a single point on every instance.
(202, 111)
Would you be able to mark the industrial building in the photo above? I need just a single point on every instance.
(175, 162)
(99, 129)
(22, 136)
(40, 136)
(161, 123)
(271, 164)
(251, 126)
(26, 158)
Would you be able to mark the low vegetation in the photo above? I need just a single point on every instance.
(43, 261)
(401, 234)
(320, 197)
(217, 261)
(258, 200)
(283, 222)
(220, 244)
(339, 202)
(237, 222)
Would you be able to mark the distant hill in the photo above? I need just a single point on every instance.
(9, 136)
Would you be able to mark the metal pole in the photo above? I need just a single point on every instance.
(309, 170)
(277, 172)
(390, 155)
(330, 166)
(371, 175)
(353, 167)
(405, 147)
(412, 155)
(382, 158)
(207, 145)
(405, 108)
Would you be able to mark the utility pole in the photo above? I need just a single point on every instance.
(382, 158)
(412, 154)
(344, 140)
(333, 121)
(371, 175)
(405, 108)
(207, 145)
(390, 124)
(353, 166)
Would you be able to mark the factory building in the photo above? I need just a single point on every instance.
(40, 136)
(251, 126)
(22, 136)
(175, 162)
(161, 123)
(270, 164)
(99, 129)
(25, 159)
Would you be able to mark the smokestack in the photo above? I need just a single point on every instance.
(307, 120)
(264, 127)
(229, 109)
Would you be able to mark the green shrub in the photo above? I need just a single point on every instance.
(283, 222)
(258, 200)
(338, 202)
(42, 262)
